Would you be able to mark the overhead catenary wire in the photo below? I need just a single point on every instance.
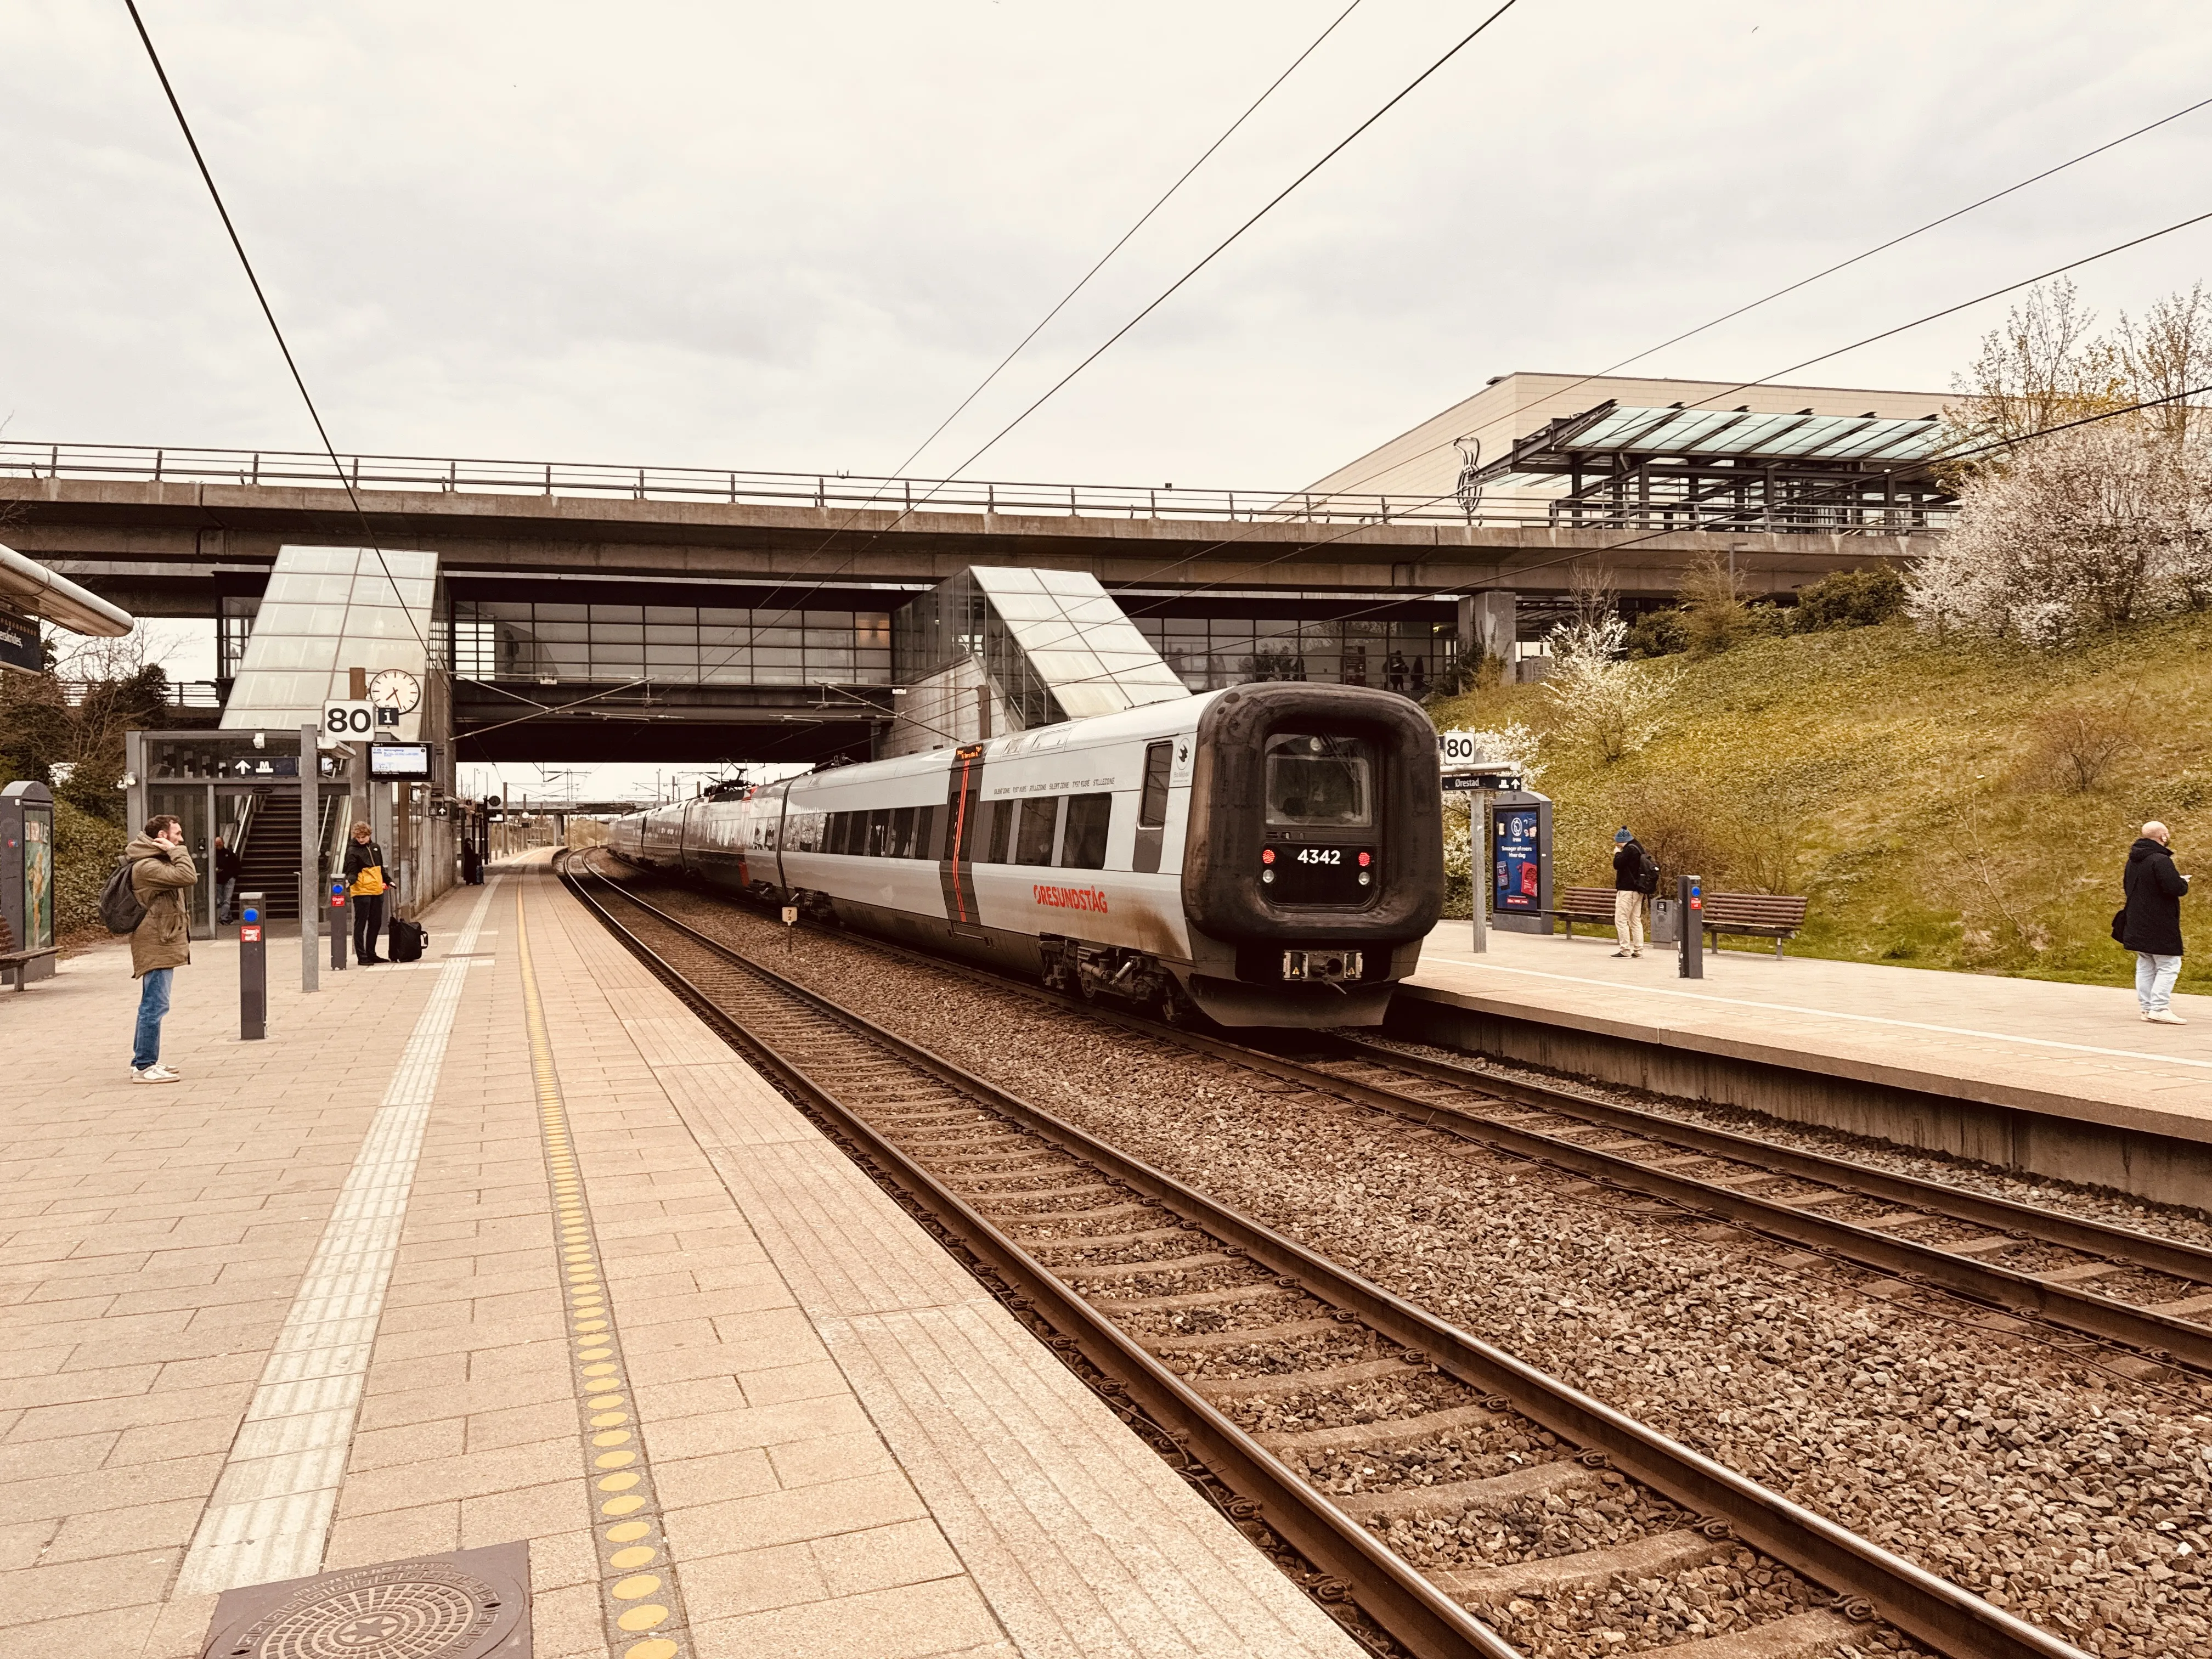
(1064, 300)
(1946, 458)
(1173, 287)
(261, 297)
(1304, 547)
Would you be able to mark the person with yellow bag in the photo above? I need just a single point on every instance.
(365, 885)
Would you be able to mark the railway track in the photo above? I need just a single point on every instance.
(1437, 1481)
(2068, 1282)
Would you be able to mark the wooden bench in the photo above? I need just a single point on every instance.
(19, 960)
(1576, 904)
(1778, 917)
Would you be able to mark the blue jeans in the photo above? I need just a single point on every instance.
(153, 1003)
(2155, 977)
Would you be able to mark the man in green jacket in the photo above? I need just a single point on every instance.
(161, 874)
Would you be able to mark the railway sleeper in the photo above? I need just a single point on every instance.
(1395, 1432)
(1215, 1341)
(1335, 1376)
(1647, 1557)
(1553, 1478)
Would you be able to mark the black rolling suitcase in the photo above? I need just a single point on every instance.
(408, 940)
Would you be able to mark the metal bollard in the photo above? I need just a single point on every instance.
(1690, 904)
(341, 924)
(252, 971)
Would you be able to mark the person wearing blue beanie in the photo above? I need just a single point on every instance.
(1635, 874)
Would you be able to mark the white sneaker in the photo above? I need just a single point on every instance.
(156, 1073)
(2166, 1017)
(1621, 953)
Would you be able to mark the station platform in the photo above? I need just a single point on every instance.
(2057, 1079)
(506, 1246)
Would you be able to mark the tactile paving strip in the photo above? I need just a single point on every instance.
(640, 1598)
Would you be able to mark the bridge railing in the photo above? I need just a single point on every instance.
(834, 492)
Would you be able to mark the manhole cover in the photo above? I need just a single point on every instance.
(472, 1604)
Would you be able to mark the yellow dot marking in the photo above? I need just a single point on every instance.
(627, 1531)
(599, 1402)
(600, 1371)
(608, 1420)
(614, 1460)
(644, 1617)
(630, 1589)
(611, 1437)
(653, 1647)
(617, 1483)
(595, 1353)
(623, 1506)
(637, 1555)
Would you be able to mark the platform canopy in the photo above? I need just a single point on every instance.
(1730, 468)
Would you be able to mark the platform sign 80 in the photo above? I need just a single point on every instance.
(1461, 751)
(347, 722)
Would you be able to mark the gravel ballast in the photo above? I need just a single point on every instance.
(2068, 1495)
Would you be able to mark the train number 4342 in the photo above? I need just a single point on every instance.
(1320, 855)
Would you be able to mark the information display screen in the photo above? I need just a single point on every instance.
(1517, 861)
(399, 762)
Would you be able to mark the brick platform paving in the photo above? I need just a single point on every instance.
(802, 1429)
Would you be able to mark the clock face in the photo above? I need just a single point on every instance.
(395, 688)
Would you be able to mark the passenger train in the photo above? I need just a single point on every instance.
(1270, 855)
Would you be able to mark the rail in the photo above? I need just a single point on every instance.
(828, 492)
(1869, 1579)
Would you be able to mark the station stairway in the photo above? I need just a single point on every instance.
(269, 855)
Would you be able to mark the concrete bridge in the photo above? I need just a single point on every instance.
(162, 530)
(1229, 585)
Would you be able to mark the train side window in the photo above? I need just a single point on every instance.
(880, 829)
(925, 832)
(841, 830)
(900, 844)
(1083, 845)
(999, 828)
(1033, 844)
(1152, 805)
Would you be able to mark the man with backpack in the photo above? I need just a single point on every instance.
(1635, 874)
(153, 880)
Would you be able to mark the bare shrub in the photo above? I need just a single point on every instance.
(2077, 744)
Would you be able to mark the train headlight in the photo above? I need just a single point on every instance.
(1266, 875)
(1366, 876)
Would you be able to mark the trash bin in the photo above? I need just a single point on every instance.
(1666, 921)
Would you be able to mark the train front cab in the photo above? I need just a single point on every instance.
(1315, 861)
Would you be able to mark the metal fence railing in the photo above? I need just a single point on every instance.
(845, 493)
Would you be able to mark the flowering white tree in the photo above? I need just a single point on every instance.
(2083, 530)
(1615, 705)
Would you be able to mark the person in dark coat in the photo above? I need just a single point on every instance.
(2151, 926)
(366, 882)
(1631, 867)
(227, 870)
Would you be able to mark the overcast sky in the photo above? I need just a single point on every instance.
(795, 237)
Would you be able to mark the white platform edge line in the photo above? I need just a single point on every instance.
(270, 1517)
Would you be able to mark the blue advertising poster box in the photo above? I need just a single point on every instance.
(1521, 862)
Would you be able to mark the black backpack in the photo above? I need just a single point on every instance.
(1647, 874)
(118, 902)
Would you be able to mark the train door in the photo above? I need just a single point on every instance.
(1153, 807)
(955, 869)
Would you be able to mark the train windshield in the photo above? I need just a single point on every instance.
(1319, 782)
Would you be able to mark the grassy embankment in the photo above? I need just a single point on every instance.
(1913, 790)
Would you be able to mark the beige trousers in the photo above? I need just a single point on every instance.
(1628, 919)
